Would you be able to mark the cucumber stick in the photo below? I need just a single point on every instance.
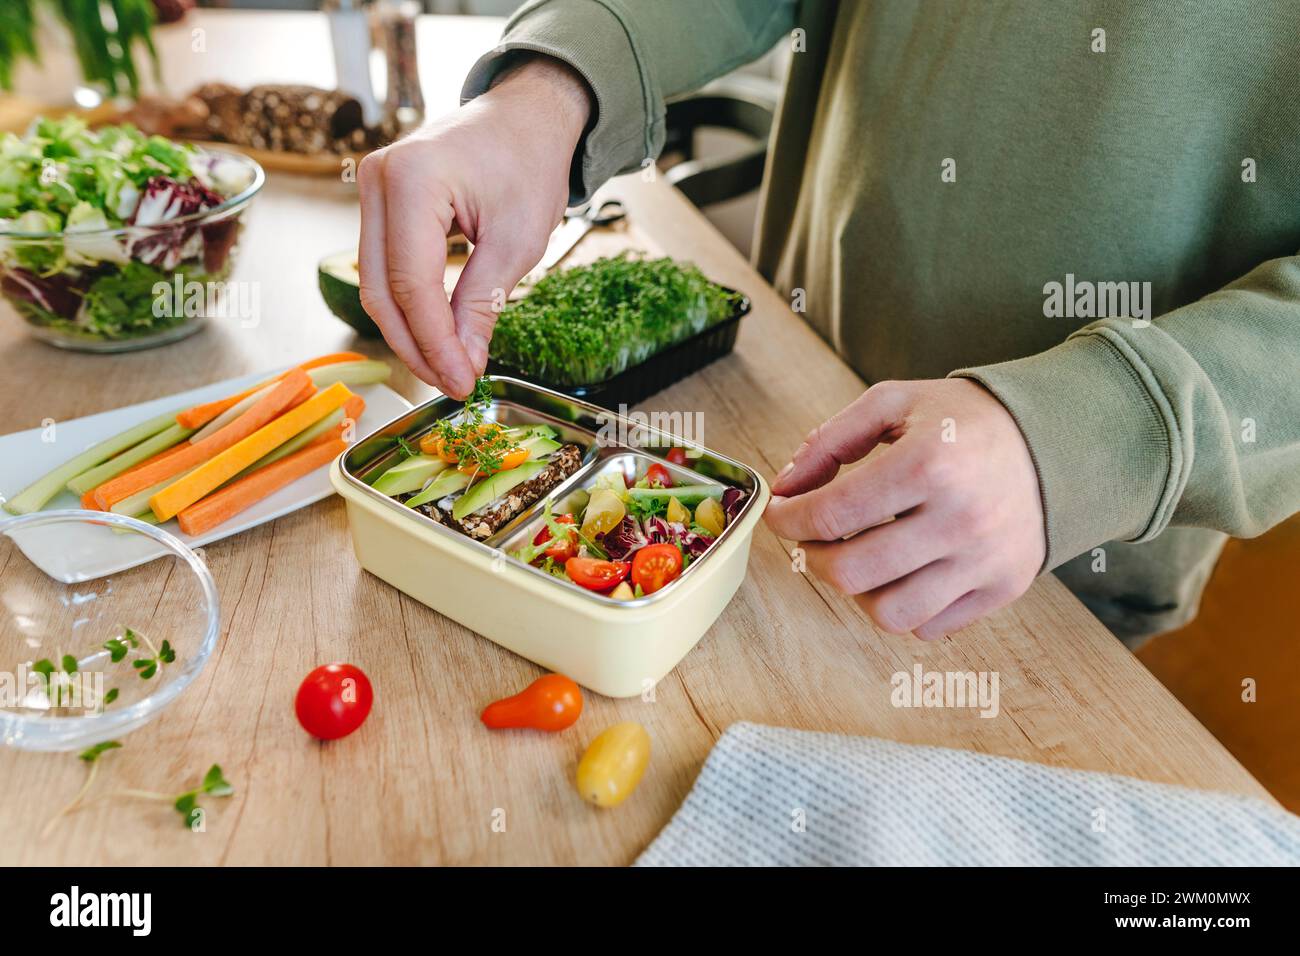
(687, 495)
(167, 438)
(36, 495)
(350, 373)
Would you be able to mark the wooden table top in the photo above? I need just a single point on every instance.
(423, 781)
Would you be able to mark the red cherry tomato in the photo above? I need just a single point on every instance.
(594, 574)
(333, 701)
(562, 550)
(676, 455)
(658, 476)
(552, 702)
(655, 565)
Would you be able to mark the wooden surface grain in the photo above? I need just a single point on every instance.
(423, 781)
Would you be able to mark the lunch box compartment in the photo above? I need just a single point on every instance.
(656, 373)
(631, 465)
(612, 647)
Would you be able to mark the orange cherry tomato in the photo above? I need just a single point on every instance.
(594, 574)
(431, 444)
(658, 476)
(511, 459)
(551, 703)
(655, 565)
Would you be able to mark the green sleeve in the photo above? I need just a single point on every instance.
(635, 54)
(1191, 420)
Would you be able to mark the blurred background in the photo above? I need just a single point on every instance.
(1249, 625)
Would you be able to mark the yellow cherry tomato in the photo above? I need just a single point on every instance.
(604, 513)
(613, 764)
(710, 516)
(677, 512)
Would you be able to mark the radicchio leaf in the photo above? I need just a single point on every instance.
(622, 541)
(732, 499)
(59, 294)
(163, 200)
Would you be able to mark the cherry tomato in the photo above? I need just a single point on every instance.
(613, 764)
(561, 550)
(552, 702)
(676, 455)
(655, 565)
(333, 701)
(658, 476)
(594, 574)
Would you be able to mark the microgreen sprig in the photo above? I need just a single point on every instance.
(90, 756)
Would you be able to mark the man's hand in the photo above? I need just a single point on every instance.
(498, 168)
(968, 535)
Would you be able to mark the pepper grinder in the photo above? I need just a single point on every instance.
(404, 100)
(350, 33)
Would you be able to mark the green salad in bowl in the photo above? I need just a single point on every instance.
(112, 240)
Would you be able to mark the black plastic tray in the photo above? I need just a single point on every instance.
(654, 374)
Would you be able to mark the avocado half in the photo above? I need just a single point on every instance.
(340, 287)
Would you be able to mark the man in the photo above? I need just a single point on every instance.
(1060, 237)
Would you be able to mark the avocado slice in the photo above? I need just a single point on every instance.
(340, 287)
(447, 483)
(490, 489)
(409, 475)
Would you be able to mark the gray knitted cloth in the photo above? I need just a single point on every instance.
(770, 796)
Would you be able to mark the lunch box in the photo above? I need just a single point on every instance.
(617, 648)
(668, 365)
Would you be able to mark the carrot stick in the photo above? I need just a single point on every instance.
(200, 415)
(111, 492)
(221, 506)
(211, 475)
(88, 501)
(332, 359)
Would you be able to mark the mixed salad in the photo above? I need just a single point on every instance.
(628, 542)
(474, 475)
(83, 225)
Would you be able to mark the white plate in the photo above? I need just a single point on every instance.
(80, 554)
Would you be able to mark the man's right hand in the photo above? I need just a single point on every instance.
(497, 168)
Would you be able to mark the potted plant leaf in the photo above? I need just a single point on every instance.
(105, 35)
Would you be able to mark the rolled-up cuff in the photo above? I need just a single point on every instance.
(1102, 448)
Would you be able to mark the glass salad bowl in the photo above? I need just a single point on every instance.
(137, 286)
(85, 659)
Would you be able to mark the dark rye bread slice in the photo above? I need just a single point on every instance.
(484, 524)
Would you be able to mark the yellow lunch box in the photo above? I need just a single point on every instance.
(617, 648)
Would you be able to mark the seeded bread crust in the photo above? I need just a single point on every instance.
(484, 524)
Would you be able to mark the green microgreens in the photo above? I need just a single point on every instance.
(409, 450)
(146, 667)
(472, 438)
(90, 756)
(214, 784)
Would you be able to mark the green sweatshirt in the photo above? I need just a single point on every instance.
(970, 188)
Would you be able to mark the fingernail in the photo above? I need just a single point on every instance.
(477, 348)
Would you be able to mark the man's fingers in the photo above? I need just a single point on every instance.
(417, 260)
(967, 608)
(493, 270)
(874, 492)
(910, 602)
(372, 263)
(877, 556)
(844, 439)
